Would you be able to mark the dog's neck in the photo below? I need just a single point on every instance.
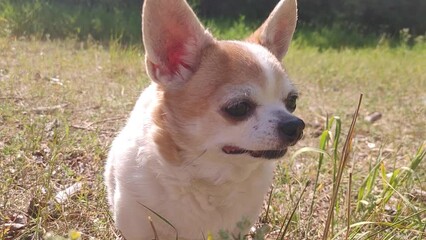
(209, 170)
(215, 183)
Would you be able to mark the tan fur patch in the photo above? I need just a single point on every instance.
(167, 147)
(222, 64)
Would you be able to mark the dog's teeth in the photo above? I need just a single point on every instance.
(233, 150)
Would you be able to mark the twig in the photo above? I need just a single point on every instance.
(12, 98)
(280, 233)
(87, 108)
(265, 220)
(106, 120)
(343, 162)
(82, 127)
(41, 110)
(89, 126)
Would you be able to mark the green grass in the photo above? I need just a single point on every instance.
(52, 20)
(46, 150)
(43, 19)
(63, 99)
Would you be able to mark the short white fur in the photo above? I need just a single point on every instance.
(208, 191)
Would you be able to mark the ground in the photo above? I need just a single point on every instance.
(62, 102)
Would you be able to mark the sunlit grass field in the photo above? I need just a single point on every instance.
(63, 101)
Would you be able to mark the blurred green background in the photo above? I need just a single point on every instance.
(342, 23)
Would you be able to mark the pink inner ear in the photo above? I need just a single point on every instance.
(175, 53)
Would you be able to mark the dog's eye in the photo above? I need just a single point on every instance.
(239, 110)
(290, 103)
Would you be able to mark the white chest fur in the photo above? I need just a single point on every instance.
(186, 196)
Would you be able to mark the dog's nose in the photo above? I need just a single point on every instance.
(291, 130)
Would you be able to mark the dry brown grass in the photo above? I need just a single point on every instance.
(61, 103)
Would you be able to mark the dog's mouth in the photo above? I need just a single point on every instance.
(268, 154)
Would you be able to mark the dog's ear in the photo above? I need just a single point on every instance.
(277, 31)
(173, 39)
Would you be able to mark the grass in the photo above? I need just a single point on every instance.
(55, 19)
(63, 101)
(43, 19)
(43, 152)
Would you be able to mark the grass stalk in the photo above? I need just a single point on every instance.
(265, 219)
(348, 206)
(163, 219)
(343, 162)
(282, 234)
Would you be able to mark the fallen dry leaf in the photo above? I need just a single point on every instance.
(373, 117)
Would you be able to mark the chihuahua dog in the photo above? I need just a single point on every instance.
(197, 154)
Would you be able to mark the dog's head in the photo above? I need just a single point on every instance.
(232, 99)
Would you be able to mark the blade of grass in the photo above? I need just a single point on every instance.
(385, 224)
(420, 155)
(348, 197)
(368, 184)
(282, 226)
(292, 213)
(309, 149)
(423, 231)
(162, 218)
(336, 141)
(403, 198)
(265, 220)
(389, 225)
(323, 142)
(153, 228)
(343, 162)
(399, 176)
